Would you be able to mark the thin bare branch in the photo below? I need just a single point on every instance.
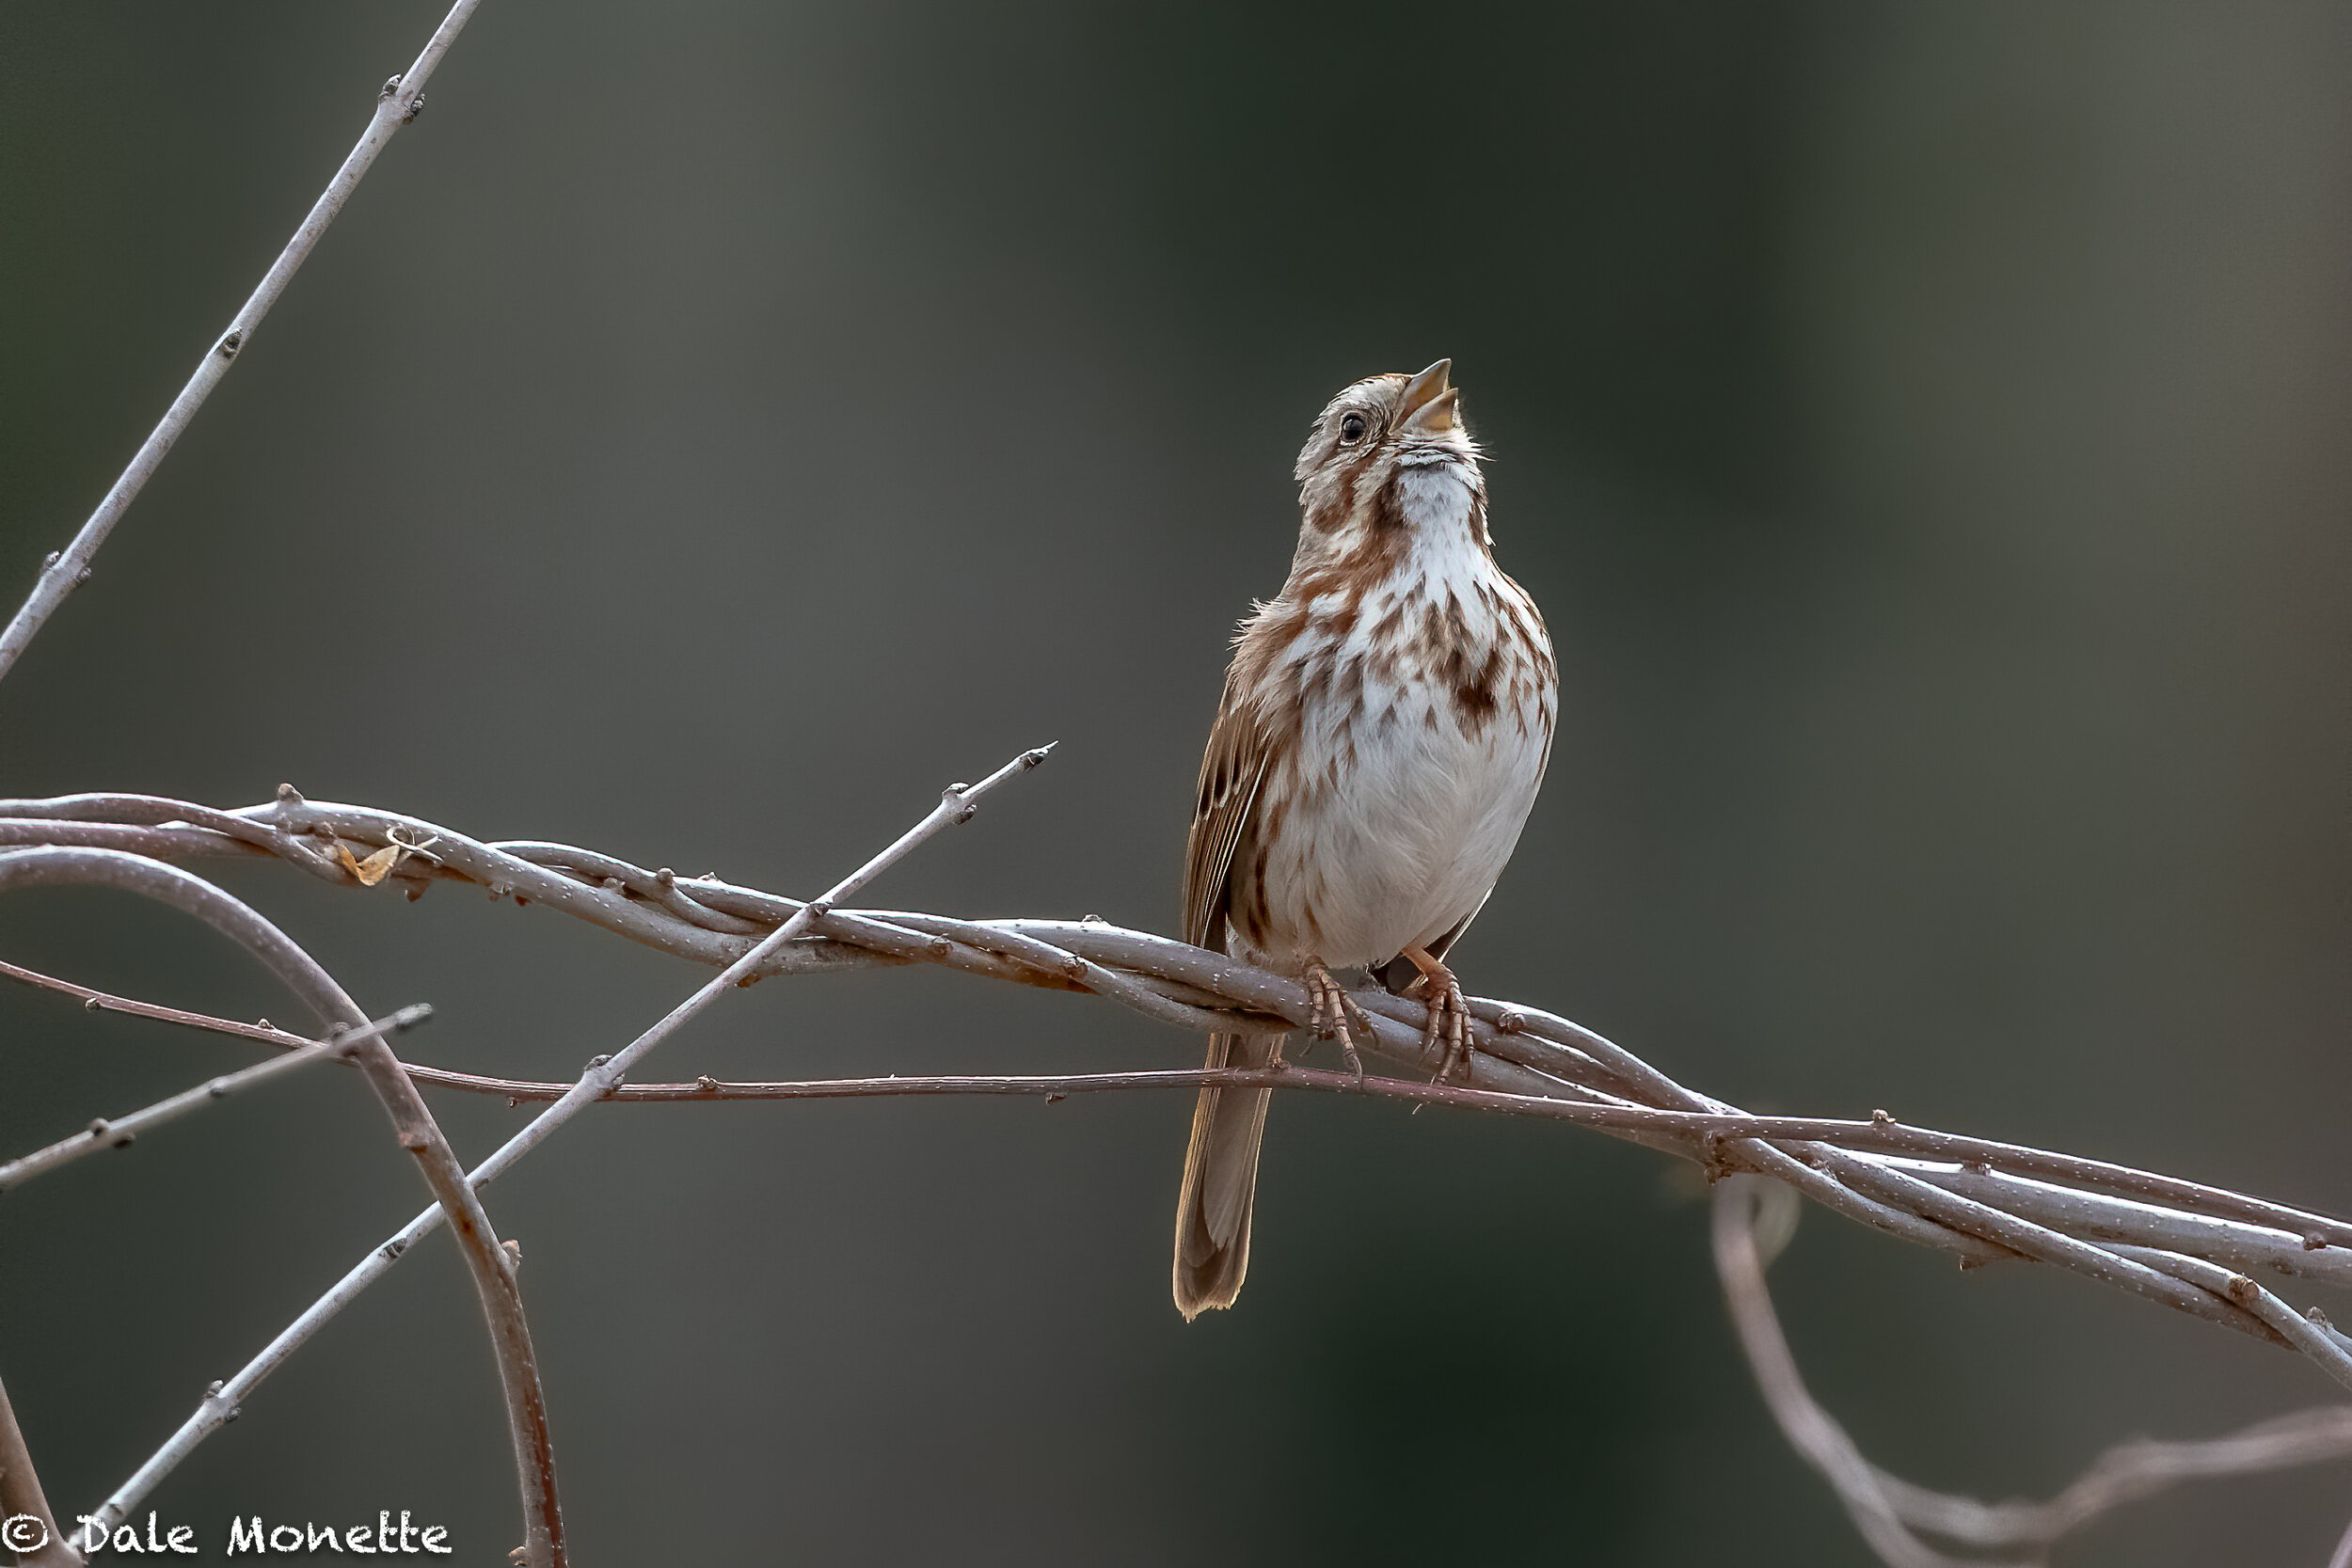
(102, 1002)
(397, 104)
(1810, 1430)
(2127, 1473)
(957, 804)
(1890, 1512)
(413, 1125)
(28, 1531)
(119, 1132)
(2307, 1334)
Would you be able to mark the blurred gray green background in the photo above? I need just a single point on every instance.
(714, 427)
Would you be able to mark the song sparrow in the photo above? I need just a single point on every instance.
(1384, 729)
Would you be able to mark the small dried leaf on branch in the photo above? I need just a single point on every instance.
(382, 863)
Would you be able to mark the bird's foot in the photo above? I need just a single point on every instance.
(1447, 1034)
(1328, 1021)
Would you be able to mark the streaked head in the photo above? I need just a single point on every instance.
(1386, 418)
(1381, 439)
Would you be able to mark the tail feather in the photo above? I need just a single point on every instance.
(1220, 1184)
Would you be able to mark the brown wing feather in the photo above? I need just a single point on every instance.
(1231, 770)
(1213, 1203)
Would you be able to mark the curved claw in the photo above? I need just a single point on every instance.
(1449, 1017)
(1448, 1031)
(1329, 1018)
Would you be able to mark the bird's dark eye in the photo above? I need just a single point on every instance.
(1352, 429)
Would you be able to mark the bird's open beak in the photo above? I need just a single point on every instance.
(1430, 407)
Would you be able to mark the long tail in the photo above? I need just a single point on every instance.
(1221, 1179)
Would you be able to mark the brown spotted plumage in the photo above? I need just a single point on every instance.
(1384, 729)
